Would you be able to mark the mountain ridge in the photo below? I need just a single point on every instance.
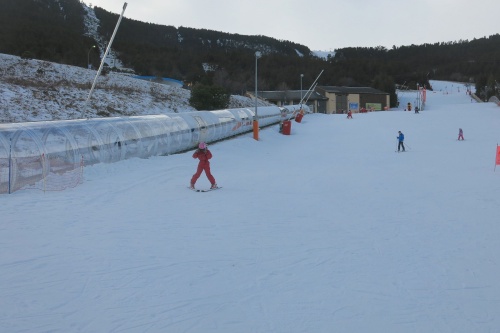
(54, 30)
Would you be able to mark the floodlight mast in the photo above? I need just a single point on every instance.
(256, 117)
(102, 62)
(88, 56)
(301, 76)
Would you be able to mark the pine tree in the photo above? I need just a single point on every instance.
(209, 97)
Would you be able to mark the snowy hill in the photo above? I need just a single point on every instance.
(323, 54)
(34, 90)
(325, 230)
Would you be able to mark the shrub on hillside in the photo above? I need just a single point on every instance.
(209, 97)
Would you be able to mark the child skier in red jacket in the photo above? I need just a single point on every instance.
(203, 154)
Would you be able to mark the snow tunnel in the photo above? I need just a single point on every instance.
(30, 151)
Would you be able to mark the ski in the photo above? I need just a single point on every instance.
(207, 190)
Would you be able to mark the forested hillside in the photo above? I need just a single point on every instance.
(55, 31)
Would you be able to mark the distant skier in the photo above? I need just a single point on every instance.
(416, 109)
(203, 154)
(349, 114)
(401, 138)
(460, 134)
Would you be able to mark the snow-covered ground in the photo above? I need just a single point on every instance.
(325, 230)
(34, 90)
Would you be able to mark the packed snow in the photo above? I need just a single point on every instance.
(325, 230)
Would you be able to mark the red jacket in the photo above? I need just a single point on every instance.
(203, 155)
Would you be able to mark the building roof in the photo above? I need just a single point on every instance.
(351, 90)
(289, 95)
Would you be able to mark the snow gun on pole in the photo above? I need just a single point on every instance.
(310, 94)
(309, 91)
(102, 62)
(311, 87)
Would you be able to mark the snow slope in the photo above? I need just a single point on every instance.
(34, 90)
(325, 230)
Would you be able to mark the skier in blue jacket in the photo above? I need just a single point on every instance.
(401, 138)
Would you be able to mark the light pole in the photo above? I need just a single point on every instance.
(88, 56)
(301, 76)
(256, 117)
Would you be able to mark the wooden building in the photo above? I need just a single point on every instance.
(356, 99)
(316, 102)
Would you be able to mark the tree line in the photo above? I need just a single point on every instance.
(54, 31)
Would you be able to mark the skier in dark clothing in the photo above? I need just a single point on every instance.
(401, 138)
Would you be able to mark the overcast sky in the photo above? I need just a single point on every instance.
(324, 25)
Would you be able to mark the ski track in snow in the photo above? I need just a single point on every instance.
(323, 230)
